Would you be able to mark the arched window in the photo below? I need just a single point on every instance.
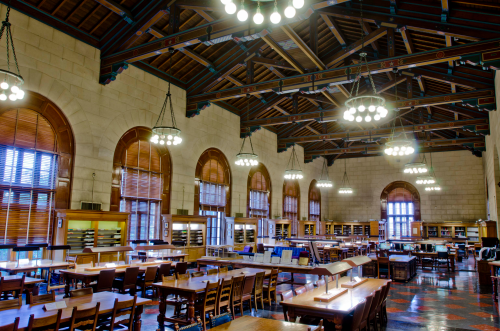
(291, 202)
(36, 165)
(141, 183)
(213, 192)
(400, 205)
(314, 203)
(259, 195)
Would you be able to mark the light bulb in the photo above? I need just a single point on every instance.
(347, 115)
(403, 148)
(225, 2)
(359, 119)
(275, 16)
(169, 137)
(180, 140)
(352, 110)
(162, 142)
(298, 3)
(3, 97)
(290, 11)
(242, 15)
(258, 18)
(20, 94)
(371, 109)
(396, 148)
(12, 97)
(4, 85)
(376, 117)
(230, 8)
(169, 142)
(401, 153)
(368, 118)
(14, 89)
(361, 108)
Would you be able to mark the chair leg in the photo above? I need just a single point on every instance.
(262, 300)
(241, 307)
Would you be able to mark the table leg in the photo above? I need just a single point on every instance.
(137, 318)
(338, 319)
(67, 287)
(190, 308)
(162, 307)
(291, 315)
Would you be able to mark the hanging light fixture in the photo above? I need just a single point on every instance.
(368, 107)
(292, 172)
(433, 188)
(247, 159)
(430, 180)
(290, 11)
(242, 14)
(346, 186)
(163, 134)
(11, 80)
(416, 167)
(324, 182)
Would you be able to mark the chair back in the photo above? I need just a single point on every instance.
(150, 274)
(320, 282)
(197, 274)
(81, 292)
(223, 269)
(47, 323)
(309, 286)
(181, 268)
(248, 249)
(210, 299)
(11, 327)
(168, 278)
(383, 294)
(260, 248)
(273, 279)
(11, 304)
(259, 282)
(198, 326)
(182, 276)
(105, 280)
(131, 274)
(248, 285)
(123, 308)
(212, 271)
(224, 295)
(16, 284)
(41, 299)
(286, 295)
(334, 254)
(164, 270)
(442, 255)
(368, 305)
(383, 253)
(220, 319)
(300, 290)
(85, 319)
(358, 313)
(237, 290)
(375, 302)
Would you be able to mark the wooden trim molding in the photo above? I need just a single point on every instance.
(217, 155)
(263, 170)
(400, 184)
(313, 186)
(128, 138)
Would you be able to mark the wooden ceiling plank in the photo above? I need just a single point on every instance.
(58, 7)
(100, 22)
(333, 27)
(146, 23)
(205, 15)
(115, 8)
(272, 62)
(407, 40)
(277, 48)
(75, 9)
(40, 4)
(367, 30)
(391, 84)
(303, 46)
(89, 15)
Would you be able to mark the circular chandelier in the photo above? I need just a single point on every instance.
(247, 159)
(11, 83)
(425, 180)
(164, 134)
(433, 188)
(399, 147)
(415, 168)
(346, 186)
(292, 172)
(258, 18)
(324, 182)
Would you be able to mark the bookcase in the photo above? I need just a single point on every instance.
(307, 228)
(190, 230)
(245, 233)
(450, 230)
(361, 229)
(283, 228)
(378, 229)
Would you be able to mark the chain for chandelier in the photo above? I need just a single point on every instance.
(324, 181)
(346, 186)
(164, 134)
(11, 79)
(429, 180)
(416, 167)
(364, 107)
(293, 172)
(247, 159)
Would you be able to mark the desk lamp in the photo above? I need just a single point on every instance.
(332, 269)
(24, 249)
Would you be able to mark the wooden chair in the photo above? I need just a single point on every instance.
(270, 287)
(192, 327)
(168, 278)
(40, 299)
(197, 274)
(334, 254)
(85, 319)
(164, 270)
(357, 316)
(258, 290)
(384, 302)
(81, 292)
(236, 292)
(148, 280)
(129, 281)
(383, 253)
(320, 282)
(181, 268)
(283, 296)
(11, 327)
(120, 308)
(224, 295)
(381, 309)
(300, 290)
(11, 304)
(212, 271)
(372, 316)
(309, 286)
(319, 328)
(104, 281)
(219, 319)
(181, 276)
(176, 301)
(12, 285)
(383, 266)
(208, 302)
(248, 285)
(47, 323)
(223, 269)
(364, 324)
(443, 259)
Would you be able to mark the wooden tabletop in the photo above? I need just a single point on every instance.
(250, 323)
(27, 280)
(105, 298)
(199, 284)
(396, 258)
(33, 264)
(343, 304)
(117, 270)
(494, 263)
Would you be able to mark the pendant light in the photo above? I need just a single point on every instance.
(293, 172)
(346, 186)
(163, 134)
(429, 180)
(416, 167)
(12, 80)
(247, 159)
(324, 182)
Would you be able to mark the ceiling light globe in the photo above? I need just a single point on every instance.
(4, 85)
(169, 137)
(298, 3)
(162, 142)
(20, 94)
(258, 18)
(12, 97)
(347, 115)
(225, 2)
(376, 117)
(275, 17)
(3, 97)
(290, 12)
(396, 148)
(380, 109)
(230, 8)
(368, 118)
(371, 109)
(242, 15)
(352, 110)
(169, 142)
(403, 148)
(401, 153)
(14, 89)
(359, 118)
(361, 108)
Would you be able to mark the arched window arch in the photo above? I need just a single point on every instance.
(314, 203)
(291, 202)
(212, 195)
(141, 182)
(259, 195)
(400, 205)
(36, 168)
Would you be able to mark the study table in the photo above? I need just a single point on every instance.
(158, 256)
(250, 323)
(189, 288)
(494, 266)
(106, 299)
(403, 267)
(335, 310)
(13, 268)
(29, 283)
(434, 255)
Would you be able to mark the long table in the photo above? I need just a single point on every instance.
(189, 288)
(106, 299)
(29, 283)
(494, 266)
(250, 323)
(403, 267)
(434, 255)
(13, 268)
(335, 310)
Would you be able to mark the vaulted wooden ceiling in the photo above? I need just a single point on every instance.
(216, 53)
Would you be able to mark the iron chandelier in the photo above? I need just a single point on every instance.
(247, 159)
(258, 18)
(292, 172)
(346, 186)
(324, 182)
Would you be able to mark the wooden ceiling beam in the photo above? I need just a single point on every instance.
(145, 23)
(272, 62)
(333, 27)
(53, 12)
(277, 48)
(390, 84)
(407, 40)
(367, 30)
(205, 15)
(303, 46)
(116, 8)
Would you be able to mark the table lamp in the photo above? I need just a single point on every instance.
(356, 261)
(58, 248)
(332, 269)
(20, 249)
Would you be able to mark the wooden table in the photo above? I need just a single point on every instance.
(106, 299)
(189, 288)
(33, 265)
(176, 256)
(342, 252)
(250, 323)
(403, 267)
(494, 266)
(29, 283)
(433, 255)
(334, 310)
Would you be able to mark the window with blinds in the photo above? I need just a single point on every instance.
(290, 208)
(400, 211)
(28, 173)
(290, 203)
(141, 189)
(314, 203)
(259, 196)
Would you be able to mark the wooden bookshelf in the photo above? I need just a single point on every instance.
(192, 230)
(244, 232)
(450, 230)
(307, 228)
(283, 228)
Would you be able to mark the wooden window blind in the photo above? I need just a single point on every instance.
(28, 173)
(314, 204)
(259, 196)
(399, 194)
(141, 189)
